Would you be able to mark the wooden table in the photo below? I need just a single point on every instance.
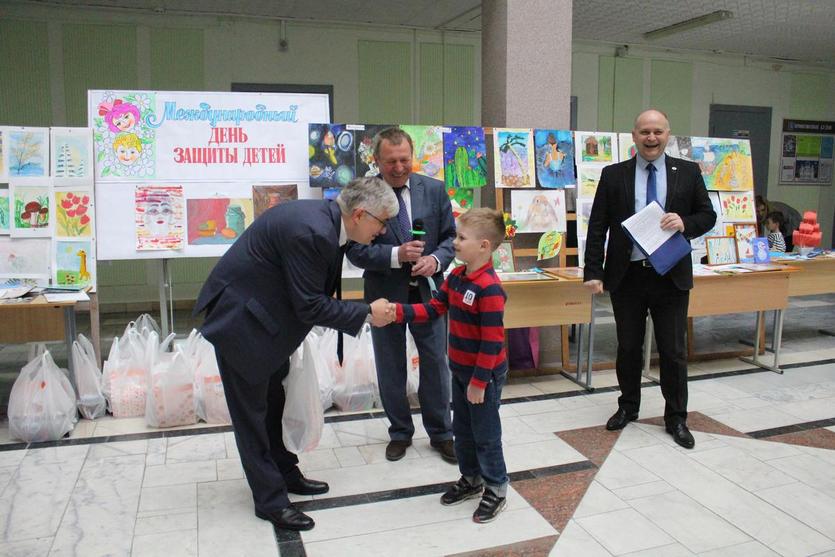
(816, 276)
(39, 321)
(740, 293)
(539, 303)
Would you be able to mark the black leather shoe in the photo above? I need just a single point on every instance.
(681, 435)
(447, 450)
(396, 449)
(619, 420)
(305, 486)
(288, 518)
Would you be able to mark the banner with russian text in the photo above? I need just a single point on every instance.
(212, 144)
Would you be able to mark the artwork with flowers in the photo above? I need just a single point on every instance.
(428, 158)
(737, 206)
(503, 258)
(73, 213)
(5, 214)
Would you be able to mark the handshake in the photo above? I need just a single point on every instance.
(383, 312)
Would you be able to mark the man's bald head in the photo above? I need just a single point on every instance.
(651, 134)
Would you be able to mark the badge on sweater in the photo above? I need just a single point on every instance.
(469, 296)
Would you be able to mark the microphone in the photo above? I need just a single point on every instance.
(417, 233)
(417, 228)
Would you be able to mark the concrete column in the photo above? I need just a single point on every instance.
(526, 63)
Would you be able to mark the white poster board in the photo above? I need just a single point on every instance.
(216, 146)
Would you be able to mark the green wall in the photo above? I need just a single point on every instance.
(25, 97)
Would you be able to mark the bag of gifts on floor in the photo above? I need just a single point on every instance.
(412, 369)
(91, 402)
(302, 421)
(355, 388)
(124, 374)
(323, 372)
(170, 399)
(42, 402)
(208, 388)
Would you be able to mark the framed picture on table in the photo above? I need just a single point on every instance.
(745, 234)
(721, 250)
(503, 258)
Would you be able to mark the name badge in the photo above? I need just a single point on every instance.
(469, 296)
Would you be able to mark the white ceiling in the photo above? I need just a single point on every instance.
(792, 30)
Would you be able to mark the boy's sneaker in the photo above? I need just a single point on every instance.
(460, 492)
(489, 508)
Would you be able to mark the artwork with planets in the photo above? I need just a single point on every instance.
(364, 148)
(331, 153)
(538, 210)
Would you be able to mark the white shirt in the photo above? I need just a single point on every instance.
(406, 194)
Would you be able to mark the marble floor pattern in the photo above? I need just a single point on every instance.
(760, 481)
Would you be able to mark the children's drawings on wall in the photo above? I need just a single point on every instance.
(737, 206)
(583, 214)
(3, 168)
(596, 147)
(27, 152)
(698, 244)
(428, 158)
(589, 178)
(538, 210)
(364, 148)
(24, 257)
(217, 220)
(159, 218)
(503, 258)
(31, 211)
(465, 157)
(125, 143)
(72, 156)
(5, 214)
(725, 163)
(332, 156)
(74, 263)
(74, 213)
(267, 196)
(626, 147)
(554, 158)
(513, 158)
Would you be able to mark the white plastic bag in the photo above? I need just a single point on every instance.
(323, 370)
(125, 374)
(355, 388)
(208, 387)
(91, 402)
(42, 402)
(170, 399)
(302, 421)
(412, 369)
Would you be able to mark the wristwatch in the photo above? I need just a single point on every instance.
(369, 316)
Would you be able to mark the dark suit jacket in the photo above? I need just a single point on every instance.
(614, 202)
(274, 284)
(430, 203)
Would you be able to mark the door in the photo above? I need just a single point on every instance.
(746, 122)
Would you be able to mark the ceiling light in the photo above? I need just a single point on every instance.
(688, 24)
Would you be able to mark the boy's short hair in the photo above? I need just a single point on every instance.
(776, 217)
(487, 223)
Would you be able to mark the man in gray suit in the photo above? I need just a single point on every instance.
(405, 268)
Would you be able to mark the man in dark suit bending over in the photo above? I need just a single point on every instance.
(262, 298)
(624, 189)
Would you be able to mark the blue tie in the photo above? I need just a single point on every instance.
(403, 216)
(651, 193)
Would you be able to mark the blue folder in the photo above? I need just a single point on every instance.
(668, 254)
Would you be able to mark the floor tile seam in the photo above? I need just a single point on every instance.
(799, 427)
(786, 513)
(434, 523)
(600, 541)
(433, 488)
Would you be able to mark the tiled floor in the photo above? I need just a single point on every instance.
(760, 481)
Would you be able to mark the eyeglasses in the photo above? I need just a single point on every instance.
(375, 217)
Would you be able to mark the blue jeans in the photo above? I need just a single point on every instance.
(478, 431)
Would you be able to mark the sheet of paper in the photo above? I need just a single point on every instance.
(645, 229)
(14, 292)
(67, 297)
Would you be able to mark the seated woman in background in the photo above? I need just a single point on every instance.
(774, 222)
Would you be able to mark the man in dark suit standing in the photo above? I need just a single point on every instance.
(262, 298)
(406, 269)
(624, 189)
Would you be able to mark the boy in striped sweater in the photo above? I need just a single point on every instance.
(474, 298)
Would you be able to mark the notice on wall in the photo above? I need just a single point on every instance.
(807, 157)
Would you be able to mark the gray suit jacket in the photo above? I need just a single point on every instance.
(430, 203)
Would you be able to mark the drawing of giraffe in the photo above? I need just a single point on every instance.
(83, 274)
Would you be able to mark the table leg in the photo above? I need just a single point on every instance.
(69, 334)
(778, 331)
(95, 326)
(648, 349)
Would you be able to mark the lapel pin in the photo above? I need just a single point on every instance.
(674, 168)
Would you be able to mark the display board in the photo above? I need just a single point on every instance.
(178, 171)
